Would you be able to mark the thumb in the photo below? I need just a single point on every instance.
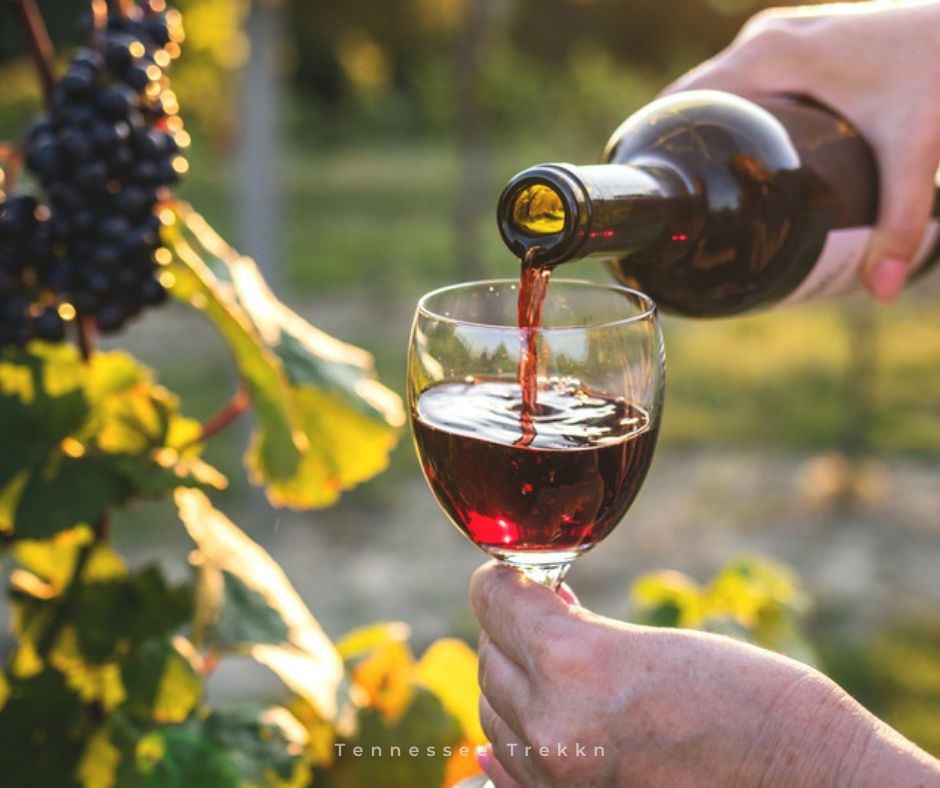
(904, 207)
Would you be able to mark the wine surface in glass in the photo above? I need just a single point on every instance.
(557, 484)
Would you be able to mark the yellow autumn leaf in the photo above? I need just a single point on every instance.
(449, 669)
(308, 662)
(178, 690)
(361, 641)
(343, 448)
(657, 589)
(93, 683)
(103, 564)
(98, 766)
(386, 677)
(321, 735)
(4, 690)
(343, 422)
(53, 559)
(10, 498)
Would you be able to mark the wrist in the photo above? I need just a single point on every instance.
(816, 735)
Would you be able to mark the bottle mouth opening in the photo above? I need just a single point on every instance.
(538, 210)
(544, 207)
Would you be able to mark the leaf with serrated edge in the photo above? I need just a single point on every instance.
(309, 650)
(346, 422)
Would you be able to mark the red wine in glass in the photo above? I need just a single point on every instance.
(558, 487)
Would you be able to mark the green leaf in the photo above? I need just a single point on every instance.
(307, 661)
(43, 730)
(161, 684)
(246, 618)
(42, 401)
(182, 756)
(67, 491)
(320, 397)
(228, 749)
(425, 725)
(81, 439)
(112, 615)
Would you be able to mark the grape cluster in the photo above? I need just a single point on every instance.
(105, 156)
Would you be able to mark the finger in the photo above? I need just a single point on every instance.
(500, 777)
(565, 592)
(710, 75)
(509, 605)
(508, 749)
(904, 207)
(503, 682)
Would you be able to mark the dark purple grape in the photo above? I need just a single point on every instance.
(65, 198)
(92, 177)
(75, 146)
(84, 223)
(118, 51)
(140, 239)
(88, 59)
(111, 318)
(116, 102)
(134, 201)
(78, 83)
(49, 325)
(158, 30)
(106, 255)
(151, 292)
(136, 77)
(104, 136)
(14, 308)
(145, 172)
(95, 280)
(42, 157)
(167, 174)
(114, 228)
(59, 277)
(120, 158)
(150, 143)
(43, 127)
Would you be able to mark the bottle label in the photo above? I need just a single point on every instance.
(836, 273)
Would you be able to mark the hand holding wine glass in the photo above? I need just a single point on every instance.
(662, 707)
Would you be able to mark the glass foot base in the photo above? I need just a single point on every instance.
(480, 781)
(548, 568)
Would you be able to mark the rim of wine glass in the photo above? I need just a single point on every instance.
(647, 303)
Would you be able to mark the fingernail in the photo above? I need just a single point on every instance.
(887, 279)
(567, 594)
(485, 757)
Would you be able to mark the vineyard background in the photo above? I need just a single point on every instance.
(810, 435)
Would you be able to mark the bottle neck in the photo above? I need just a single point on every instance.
(609, 210)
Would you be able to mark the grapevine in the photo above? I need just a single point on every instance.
(82, 246)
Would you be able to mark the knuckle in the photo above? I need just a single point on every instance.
(487, 718)
(484, 664)
(772, 29)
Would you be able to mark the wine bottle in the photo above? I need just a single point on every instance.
(713, 204)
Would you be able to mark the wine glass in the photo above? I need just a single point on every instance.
(536, 487)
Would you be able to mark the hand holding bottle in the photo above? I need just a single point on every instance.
(878, 65)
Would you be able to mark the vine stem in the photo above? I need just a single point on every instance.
(40, 45)
(86, 337)
(223, 418)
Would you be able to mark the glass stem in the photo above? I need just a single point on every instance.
(548, 575)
